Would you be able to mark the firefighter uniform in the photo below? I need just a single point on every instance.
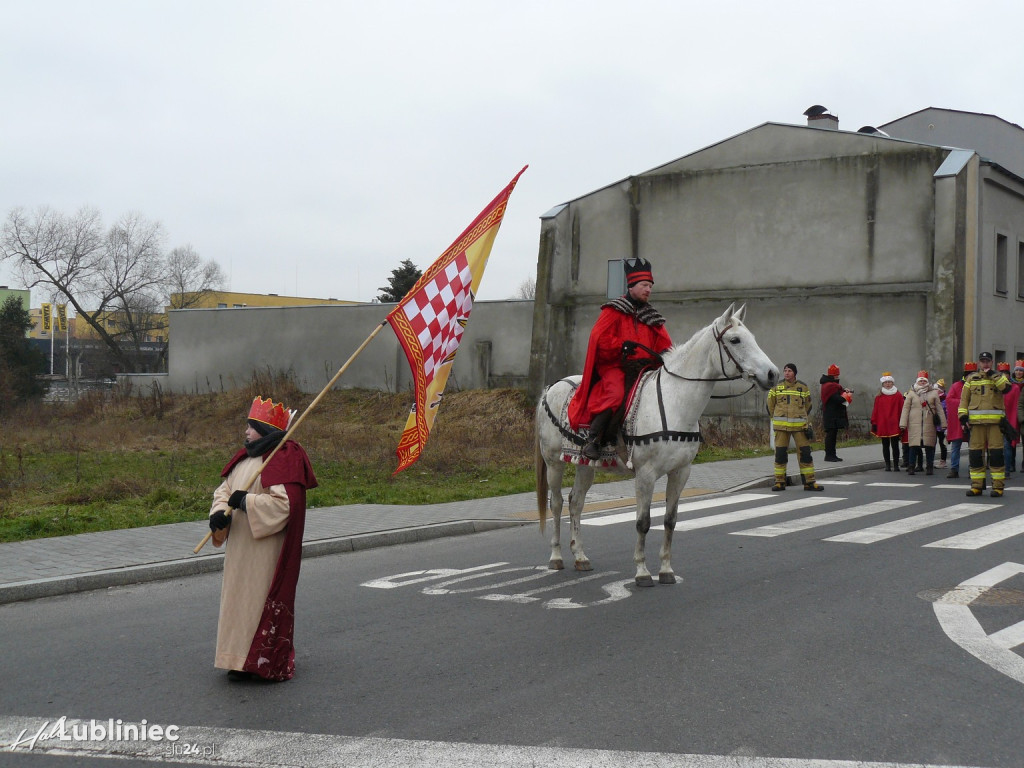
(789, 404)
(983, 409)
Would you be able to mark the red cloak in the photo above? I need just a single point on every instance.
(603, 384)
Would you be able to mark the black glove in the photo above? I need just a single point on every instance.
(874, 429)
(219, 521)
(237, 500)
(628, 348)
(963, 421)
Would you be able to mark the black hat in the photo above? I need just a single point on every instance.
(637, 270)
(985, 356)
(791, 365)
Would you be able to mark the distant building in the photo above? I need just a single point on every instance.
(227, 299)
(896, 248)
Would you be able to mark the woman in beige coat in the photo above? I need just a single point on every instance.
(922, 415)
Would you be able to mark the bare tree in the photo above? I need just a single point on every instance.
(527, 289)
(122, 274)
(130, 282)
(190, 279)
(59, 255)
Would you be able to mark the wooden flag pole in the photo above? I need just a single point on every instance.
(295, 424)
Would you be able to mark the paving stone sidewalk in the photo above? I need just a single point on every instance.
(60, 565)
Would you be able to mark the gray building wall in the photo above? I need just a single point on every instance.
(214, 350)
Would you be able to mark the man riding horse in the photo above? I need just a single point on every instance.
(628, 332)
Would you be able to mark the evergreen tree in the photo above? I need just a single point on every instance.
(401, 280)
(20, 361)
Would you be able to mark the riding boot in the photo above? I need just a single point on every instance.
(598, 424)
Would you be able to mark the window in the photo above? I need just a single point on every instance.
(1020, 271)
(1001, 264)
(998, 356)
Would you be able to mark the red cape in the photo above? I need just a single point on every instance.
(603, 384)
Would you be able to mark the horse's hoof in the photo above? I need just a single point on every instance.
(556, 565)
(644, 581)
(584, 565)
(666, 578)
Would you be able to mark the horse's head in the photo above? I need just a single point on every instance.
(741, 351)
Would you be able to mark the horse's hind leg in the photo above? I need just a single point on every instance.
(556, 469)
(577, 496)
(673, 487)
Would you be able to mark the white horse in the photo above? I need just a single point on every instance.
(660, 434)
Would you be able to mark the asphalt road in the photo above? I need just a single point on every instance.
(822, 633)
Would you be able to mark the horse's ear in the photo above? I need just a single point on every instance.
(739, 313)
(726, 317)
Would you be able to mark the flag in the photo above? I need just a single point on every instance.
(46, 318)
(62, 317)
(431, 319)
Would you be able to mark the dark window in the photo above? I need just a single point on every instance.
(1001, 265)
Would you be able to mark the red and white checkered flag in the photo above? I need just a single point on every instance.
(431, 319)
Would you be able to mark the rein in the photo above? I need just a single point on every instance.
(723, 352)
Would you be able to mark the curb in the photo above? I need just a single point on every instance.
(199, 564)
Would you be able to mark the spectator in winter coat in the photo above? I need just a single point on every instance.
(940, 387)
(954, 432)
(1011, 399)
(834, 399)
(885, 420)
(922, 415)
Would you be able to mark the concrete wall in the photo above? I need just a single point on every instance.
(214, 350)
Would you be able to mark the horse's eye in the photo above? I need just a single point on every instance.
(734, 340)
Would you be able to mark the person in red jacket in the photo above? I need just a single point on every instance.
(885, 420)
(613, 358)
(1010, 399)
(954, 432)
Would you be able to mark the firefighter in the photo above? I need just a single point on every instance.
(789, 404)
(982, 412)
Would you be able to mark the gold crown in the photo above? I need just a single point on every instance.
(269, 412)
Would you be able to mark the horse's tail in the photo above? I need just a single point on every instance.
(542, 483)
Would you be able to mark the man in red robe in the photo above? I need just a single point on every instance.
(613, 358)
(261, 517)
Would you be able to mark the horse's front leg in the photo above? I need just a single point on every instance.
(555, 471)
(673, 488)
(577, 497)
(644, 491)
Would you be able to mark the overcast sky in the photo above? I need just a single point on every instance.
(310, 147)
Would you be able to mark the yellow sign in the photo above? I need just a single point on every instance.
(46, 318)
(62, 317)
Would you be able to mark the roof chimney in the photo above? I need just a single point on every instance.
(819, 117)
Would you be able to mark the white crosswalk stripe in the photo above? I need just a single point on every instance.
(982, 537)
(911, 524)
(682, 509)
(753, 512)
(827, 518)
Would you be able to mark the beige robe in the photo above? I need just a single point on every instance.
(254, 543)
(918, 419)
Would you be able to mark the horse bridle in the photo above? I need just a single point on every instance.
(723, 352)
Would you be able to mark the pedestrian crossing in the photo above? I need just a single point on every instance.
(729, 510)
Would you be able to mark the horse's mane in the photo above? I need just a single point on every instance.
(680, 350)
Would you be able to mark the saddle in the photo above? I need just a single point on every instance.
(617, 453)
